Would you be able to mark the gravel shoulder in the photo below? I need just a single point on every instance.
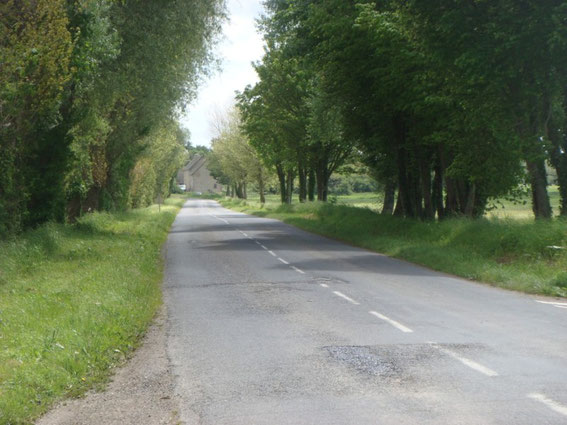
(141, 392)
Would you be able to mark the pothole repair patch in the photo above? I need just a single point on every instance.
(363, 359)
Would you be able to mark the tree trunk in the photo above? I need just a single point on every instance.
(561, 169)
(73, 209)
(311, 185)
(406, 180)
(289, 187)
(281, 178)
(323, 174)
(437, 194)
(425, 177)
(399, 209)
(538, 181)
(302, 184)
(261, 189)
(559, 161)
(322, 184)
(389, 197)
(471, 200)
(239, 191)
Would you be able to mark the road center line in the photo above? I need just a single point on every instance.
(297, 270)
(552, 404)
(349, 299)
(272, 253)
(392, 322)
(324, 285)
(467, 362)
(283, 261)
(218, 218)
(554, 303)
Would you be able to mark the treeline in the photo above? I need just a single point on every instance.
(89, 94)
(450, 103)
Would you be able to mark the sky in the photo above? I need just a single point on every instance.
(238, 48)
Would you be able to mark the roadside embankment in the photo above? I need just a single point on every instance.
(74, 302)
(522, 255)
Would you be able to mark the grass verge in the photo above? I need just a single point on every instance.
(74, 302)
(509, 253)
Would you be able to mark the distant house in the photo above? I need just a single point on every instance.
(197, 178)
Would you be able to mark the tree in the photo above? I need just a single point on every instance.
(84, 86)
(508, 58)
(35, 52)
(289, 120)
(232, 157)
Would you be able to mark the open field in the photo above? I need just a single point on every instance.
(74, 301)
(518, 254)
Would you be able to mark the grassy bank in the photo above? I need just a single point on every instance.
(510, 253)
(74, 301)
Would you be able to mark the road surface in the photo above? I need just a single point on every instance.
(271, 325)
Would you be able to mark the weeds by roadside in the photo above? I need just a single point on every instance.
(74, 301)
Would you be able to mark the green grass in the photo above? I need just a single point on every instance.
(522, 208)
(74, 302)
(510, 253)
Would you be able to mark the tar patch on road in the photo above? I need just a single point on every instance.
(365, 360)
(401, 362)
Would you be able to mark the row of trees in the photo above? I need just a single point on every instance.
(450, 103)
(89, 94)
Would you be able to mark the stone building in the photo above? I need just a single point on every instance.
(197, 178)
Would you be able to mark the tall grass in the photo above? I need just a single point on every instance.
(524, 255)
(74, 301)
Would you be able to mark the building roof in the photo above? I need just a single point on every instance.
(195, 164)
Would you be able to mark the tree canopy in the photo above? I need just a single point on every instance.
(89, 94)
(450, 103)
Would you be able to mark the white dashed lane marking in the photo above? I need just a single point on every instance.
(283, 261)
(297, 270)
(467, 362)
(324, 285)
(344, 297)
(272, 253)
(218, 218)
(552, 404)
(392, 322)
(556, 304)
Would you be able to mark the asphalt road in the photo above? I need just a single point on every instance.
(272, 325)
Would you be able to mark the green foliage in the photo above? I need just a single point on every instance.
(150, 179)
(232, 159)
(35, 53)
(84, 87)
(74, 302)
(346, 184)
(446, 101)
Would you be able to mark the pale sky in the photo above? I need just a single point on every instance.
(239, 47)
